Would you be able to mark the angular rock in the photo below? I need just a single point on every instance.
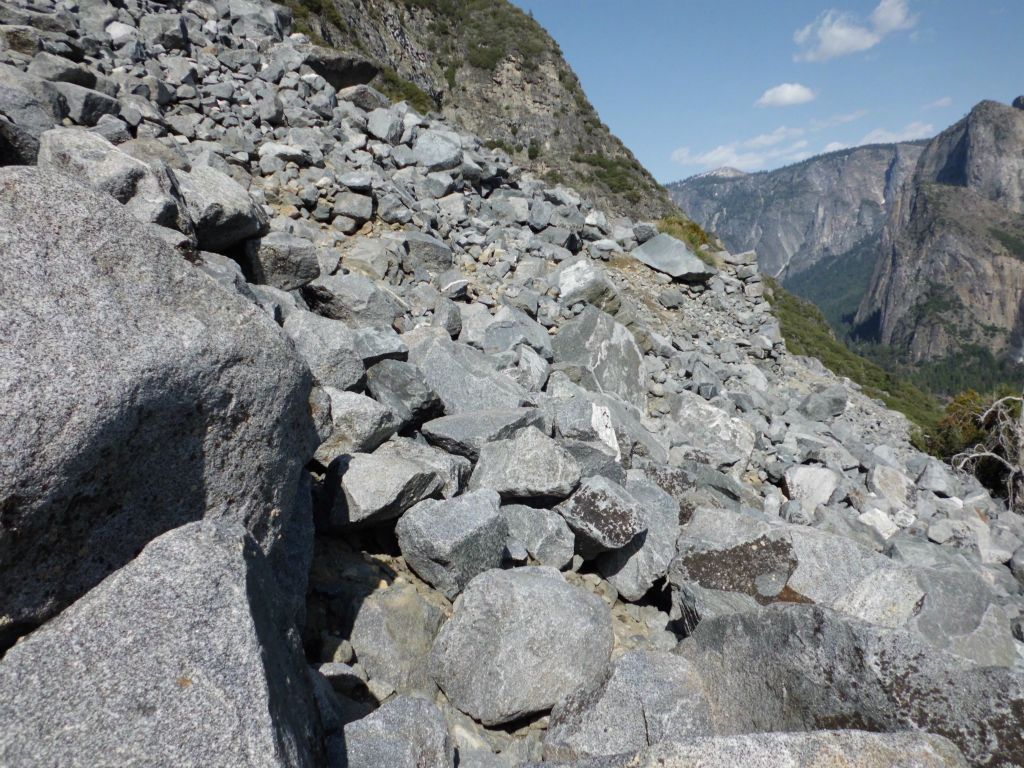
(86, 106)
(805, 667)
(817, 749)
(406, 732)
(464, 378)
(710, 435)
(453, 470)
(393, 633)
(328, 347)
(281, 260)
(579, 279)
(465, 433)
(519, 642)
(603, 515)
(353, 298)
(150, 195)
(222, 212)
(218, 641)
(28, 108)
(369, 488)
(648, 697)
(666, 254)
(544, 533)
(528, 465)
(449, 542)
(118, 341)
(825, 404)
(403, 388)
(811, 486)
(359, 425)
(437, 150)
(604, 355)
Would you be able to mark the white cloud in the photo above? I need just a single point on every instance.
(945, 101)
(835, 33)
(915, 130)
(832, 122)
(780, 147)
(786, 95)
(833, 146)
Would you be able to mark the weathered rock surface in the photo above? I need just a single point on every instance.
(136, 396)
(532, 637)
(406, 732)
(184, 656)
(666, 254)
(527, 465)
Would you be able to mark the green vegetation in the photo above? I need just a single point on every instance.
(534, 149)
(305, 11)
(619, 174)
(1011, 242)
(395, 88)
(837, 285)
(690, 232)
(807, 333)
(505, 147)
(491, 30)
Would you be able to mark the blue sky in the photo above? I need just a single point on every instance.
(692, 85)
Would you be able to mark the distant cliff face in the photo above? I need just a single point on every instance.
(794, 217)
(951, 271)
(495, 71)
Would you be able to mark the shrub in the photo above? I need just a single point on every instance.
(533, 149)
(398, 89)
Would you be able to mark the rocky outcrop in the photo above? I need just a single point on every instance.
(951, 271)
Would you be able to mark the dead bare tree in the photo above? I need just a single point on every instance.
(1002, 447)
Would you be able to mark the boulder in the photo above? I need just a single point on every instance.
(403, 388)
(148, 191)
(518, 642)
(449, 542)
(393, 633)
(666, 254)
(825, 404)
(543, 533)
(603, 515)
(603, 356)
(28, 108)
(709, 434)
(466, 433)
(528, 465)
(817, 749)
(352, 298)
(371, 488)
(328, 347)
(579, 279)
(222, 212)
(360, 424)
(406, 732)
(86, 106)
(803, 667)
(464, 378)
(281, 260)
(437, 150)
(139, 396)
(648, 697)
(453, 470)
(157, 663)
(811, 486)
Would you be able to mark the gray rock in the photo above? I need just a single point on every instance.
(634, 568)
(328, 347)
(28, 108)
(449, 542)
(825, 404)
(369, 488)
(393, 633)
(528, 465)
(218, 641)
(647, 698)
(453, 470)
(403, 388)
(708, 434)
(375, 344)
(406, 732)
(359, 425)
(810, 486)
(544, 533)
(86, 106)
(150, 195)
(353, 298)
(666, 254)
(465, 433)
(519, 642)
(804, 667)
(281, 260)
(428, 251)
(116, 347)
(354, 206)
(579, 279)
(510, 328)
(46, 66)
(603, 515)
(817, 749)
(222, 212)
(385, 124)
(437, 150)
(464, 378)
(604, 355)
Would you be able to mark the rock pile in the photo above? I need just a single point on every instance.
(574, 503)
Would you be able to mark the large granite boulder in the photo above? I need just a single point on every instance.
(185, 656)
(666, 254)
(519, 642)
(136, 395)
(407, 732)
(222, 211)
(602, 356)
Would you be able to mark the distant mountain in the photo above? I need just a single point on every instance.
(949, 282)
